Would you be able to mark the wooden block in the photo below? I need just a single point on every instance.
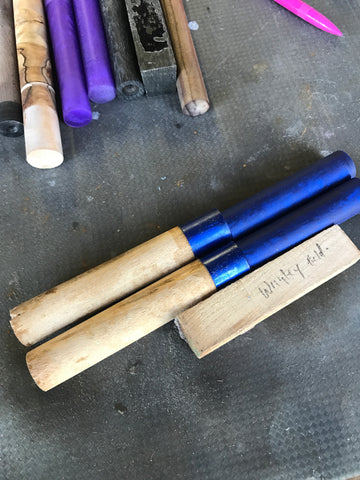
(152, 45)
(242, 305)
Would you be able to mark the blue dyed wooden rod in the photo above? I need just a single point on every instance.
(208, 231)
(125, 322)
(47, 313)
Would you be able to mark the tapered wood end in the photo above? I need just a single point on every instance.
(196, 107)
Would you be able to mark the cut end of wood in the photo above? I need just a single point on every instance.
(44, 158)
(196, 107)
(34, 372)
(16, 328)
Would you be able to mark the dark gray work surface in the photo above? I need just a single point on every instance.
(282, 401)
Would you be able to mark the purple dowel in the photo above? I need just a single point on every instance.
(99, 77)
(74, 97)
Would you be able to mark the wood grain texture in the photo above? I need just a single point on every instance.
(10, 103)
(190, 83)
(121, 49)
(153, 48)
(239, 307)
(41, 124)
(120, 325)
(47, 313)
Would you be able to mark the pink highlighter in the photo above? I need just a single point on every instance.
(310, 15)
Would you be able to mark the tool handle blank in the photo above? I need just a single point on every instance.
(41, 123)
(49, 312)
(190, 83)
(121, 49)
(292, 191)
(10, 105)
(113, 329)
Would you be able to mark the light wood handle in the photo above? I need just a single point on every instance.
(10, 106)
(113, 329)
(41, 123)
(190, 83)
(47, 313)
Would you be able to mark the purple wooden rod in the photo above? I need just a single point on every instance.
(99, 77)
(74, 98)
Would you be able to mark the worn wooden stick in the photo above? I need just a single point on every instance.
(190, 83)
(250, 300)
(41, 123)
(10, 105)
(45, 314)
(113, 329)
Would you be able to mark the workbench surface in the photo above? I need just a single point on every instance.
(280, 402)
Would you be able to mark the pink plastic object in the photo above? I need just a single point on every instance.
(310, 15)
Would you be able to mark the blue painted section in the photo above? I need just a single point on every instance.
(332, 207)
(214, 229)
(289, 193)
(226, 264)
(206, 232)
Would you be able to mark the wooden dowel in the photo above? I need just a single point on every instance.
(121, 49)
(41, 123)
(10, 104)
(113, 329)
(190, 83)
(47, 313)
(250, 300)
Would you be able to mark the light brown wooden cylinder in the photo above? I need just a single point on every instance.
(45, 314)
(190, 83)
(120, 325)
(41, 123)
(10, 105)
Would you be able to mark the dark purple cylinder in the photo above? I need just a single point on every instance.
(99, 77)
(74, 97)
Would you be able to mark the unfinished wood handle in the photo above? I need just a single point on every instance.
(113, 329)
(47, 313)
(10, 106)
(41, 123)
(190, 83)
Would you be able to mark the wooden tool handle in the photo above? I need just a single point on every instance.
(190, 84)
(47, 313)
(113, 329)
(41, 124)
(9, 78)
(10, 106)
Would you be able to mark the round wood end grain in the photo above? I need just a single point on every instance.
(196, 107)
(44, 158)
(35, 372)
